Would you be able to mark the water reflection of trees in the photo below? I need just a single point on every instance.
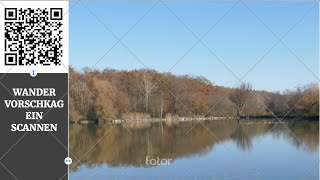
(121, 148)
(304, 134)
(241, 138)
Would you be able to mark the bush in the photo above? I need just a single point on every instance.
(171, 119)
(136, 116)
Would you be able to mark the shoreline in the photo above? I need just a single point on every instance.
(183, 119)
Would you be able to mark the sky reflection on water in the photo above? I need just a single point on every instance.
(248, 150)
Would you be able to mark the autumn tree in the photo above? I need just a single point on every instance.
(311, 99)
(81, 102)
(240, 96)
(148, 86)
(304, 100)
(110, 94)
(278, 103)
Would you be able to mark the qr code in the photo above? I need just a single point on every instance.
(33, 36)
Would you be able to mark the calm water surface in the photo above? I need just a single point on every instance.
(253, 149)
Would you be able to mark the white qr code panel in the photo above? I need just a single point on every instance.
(34, 35)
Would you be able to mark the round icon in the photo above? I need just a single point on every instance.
(33, 73)
(67, 160)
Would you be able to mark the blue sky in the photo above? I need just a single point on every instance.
(239, 40)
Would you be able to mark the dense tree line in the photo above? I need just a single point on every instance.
(111, 94)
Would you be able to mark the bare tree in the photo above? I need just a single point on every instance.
(148, 87)
(240, 96)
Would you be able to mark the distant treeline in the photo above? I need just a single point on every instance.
(111, 94)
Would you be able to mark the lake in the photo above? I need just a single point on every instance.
(222, 149)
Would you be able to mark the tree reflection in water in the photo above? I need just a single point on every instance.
(241, 137)
(121, 148)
